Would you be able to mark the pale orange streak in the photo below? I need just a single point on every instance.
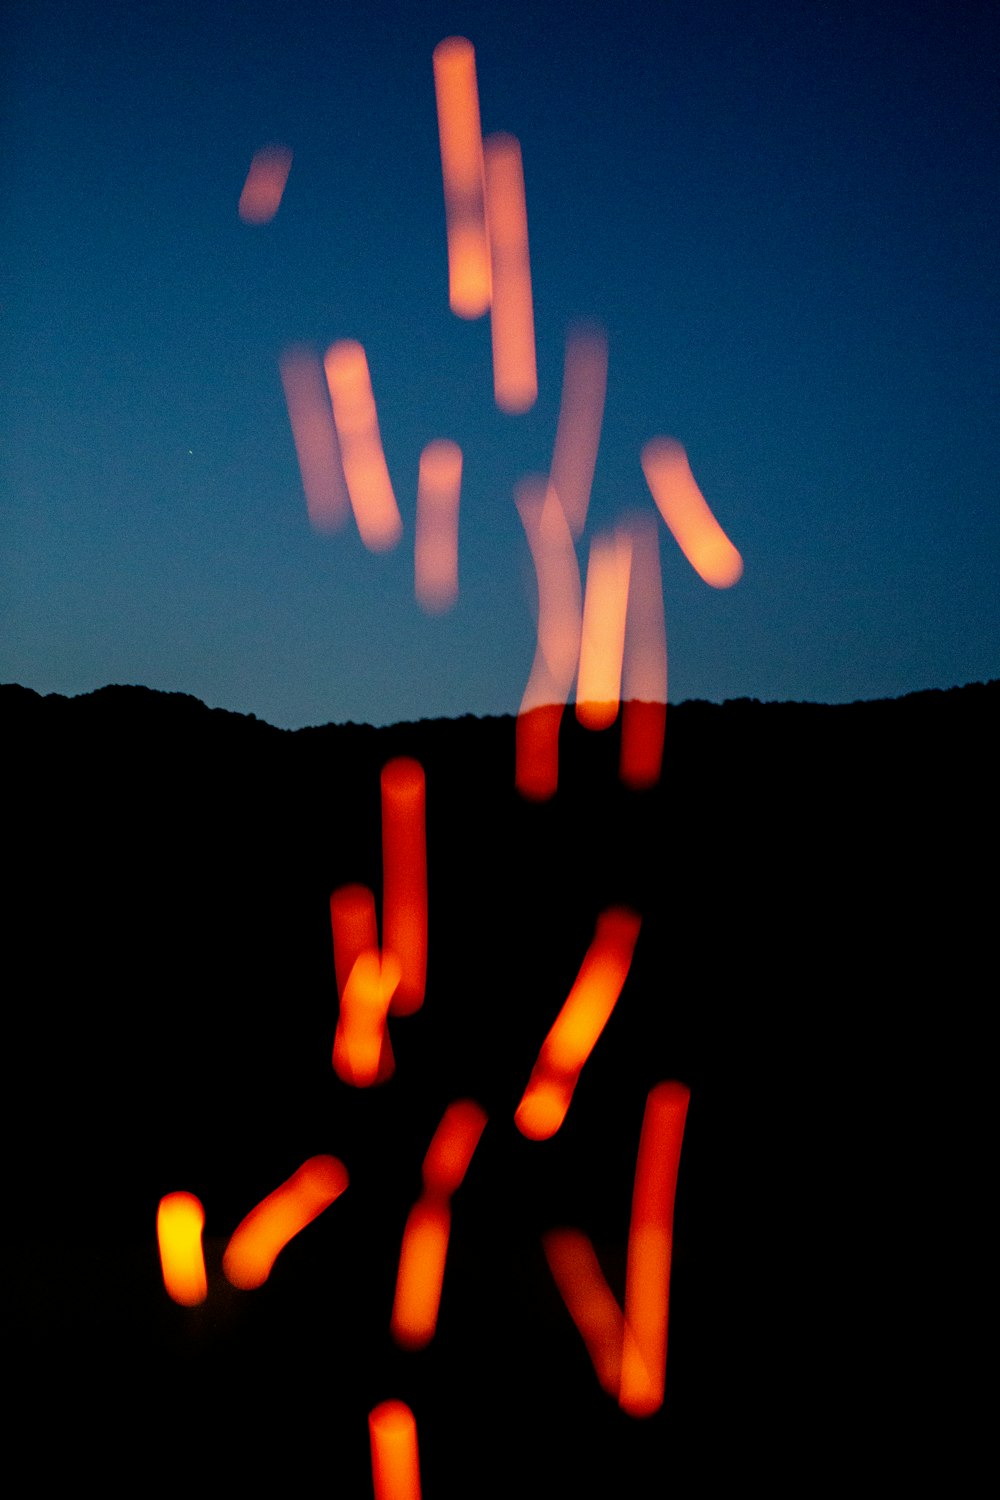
(450, 1151)
(436, 548)
(589, 1302)
(585, 379)
(360, 1052)
(683, 507)
(512, 319)
(460, 134)
(644, 676)
(353, 924)
(650, 1243)
(404, 879)
(395, 1460)
(421, 1273)
(315, 438)
(266, 1230)
(536, 751)
(180, 1219)
(261, 195)
(602, 637)
(368, 482)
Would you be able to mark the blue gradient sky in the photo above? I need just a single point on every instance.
(784, 214)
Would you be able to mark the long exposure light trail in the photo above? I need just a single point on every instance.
(452, 1146)
(581, 413)
(315, 438)
(392, 1431)
(265, 184)
(687, 514)
(258, 1241)
(368, 483)
(361, 1053)
(404, 878)
(512, 317)
(644, 670)
(602, 636)
(589, 1301)
(460, 135)
(435, 563)
(180, 1220)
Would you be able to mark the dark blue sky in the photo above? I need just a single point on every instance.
(784, 214)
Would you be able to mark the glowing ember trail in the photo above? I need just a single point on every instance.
(512, 319)
(354, 929)
(392, 1431)
(644, 683)
(404, 879)
(365, 471)
(462, 171)
(180, 1219)
(266, 1230)
(589, 1301)
(436, 549)
(361, 1054)
(602, 638)
(315, 437)
(585, 380)
(450, 1151)
(685, 510)
(421, 1273)
(261, 195)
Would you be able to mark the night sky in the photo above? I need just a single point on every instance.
(784, 214)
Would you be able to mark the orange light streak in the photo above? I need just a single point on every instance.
(589, 1301)
(451, 1149)
(265, 184)
(354, 928)
(266, 1230)
(392, 1432)
(315, 438)
(512, 319)
(460, 134)
(602, 637)
(650, 1245)
(644, 678)
(421, 1273)
(436, 548)
(368, 482)
(686, 512)
(180, 1219)
(361, 1052)
(536, 751)
(585, 380)
(404, 879)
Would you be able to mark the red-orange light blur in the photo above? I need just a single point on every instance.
(266, 1230)
(355, 931)
(644, 675)
(650, 1244)
(686, 512)
(361, 1054)
(404, 879)
(589, 1301)
(460, 133)
(392, 1432)
(602, 636)
(368, 482)
(261, 195)
(451, 1149)
(512, 318)
(315, 438)
(180, 1219)
(585, 379)
(536, 752)
(436, 547)
(421, 1273)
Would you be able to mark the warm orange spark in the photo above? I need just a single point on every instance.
(436, 549)
(602, 637)
(450, 1151)
(421, 1273)
(180, 1219)
(585, 379)
(392, 1431)
(589, 1301)
(361, 1054)
(644, 679)
(266, 1230)
(365, 471)
(462, 172)
(261, 195)
(404, 879)
(686, 512)
(512, 319)
(315, 437)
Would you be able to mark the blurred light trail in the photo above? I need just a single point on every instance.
(512, 320)
(315, 436)
(361, 1054)
(180, 1219)
(461, 139)
(392, 1431)
(602, 636)
(650, 1243)
(450, 1151)
(536, 751)
(368, 483)
(589, 1301)
(261, 195)
(404, 879)
(686, 512)
(421, 1273)
(581, 413)
(578, 1025)
(644, 678)
(354, 930)
(266, 1230)
(436, 550)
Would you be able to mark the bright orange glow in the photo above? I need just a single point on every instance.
(536, 752)
(315, 438)
(368, 483)
(545, 1102)
(261, 195)
(512, 319)
(266, 1230)
(180, 1219)
(683, 507)
(589, 1302)
(644, 679)
(421, 1273)
(352, 920)
(436, 550)
(462, 171)
(450, 1151)
(602, 638)
(404, 879)
(650, 1243)
(395, 1459)
(361, 1054)
(585, 379)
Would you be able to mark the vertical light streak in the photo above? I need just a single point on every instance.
(589, 1301)
(368, 482)
(404, 879)
(602, 637)
(265, 184)
(435, 563)
(460, 134)
(421, 1273)
(686, 512)
(180, 1220)
(354, 929)
(512, 319)
(644, 677)
(581, 413)
(392, 1432)
(315, 437)
(361, 1053)
(452, 1146)
(259, 1239)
